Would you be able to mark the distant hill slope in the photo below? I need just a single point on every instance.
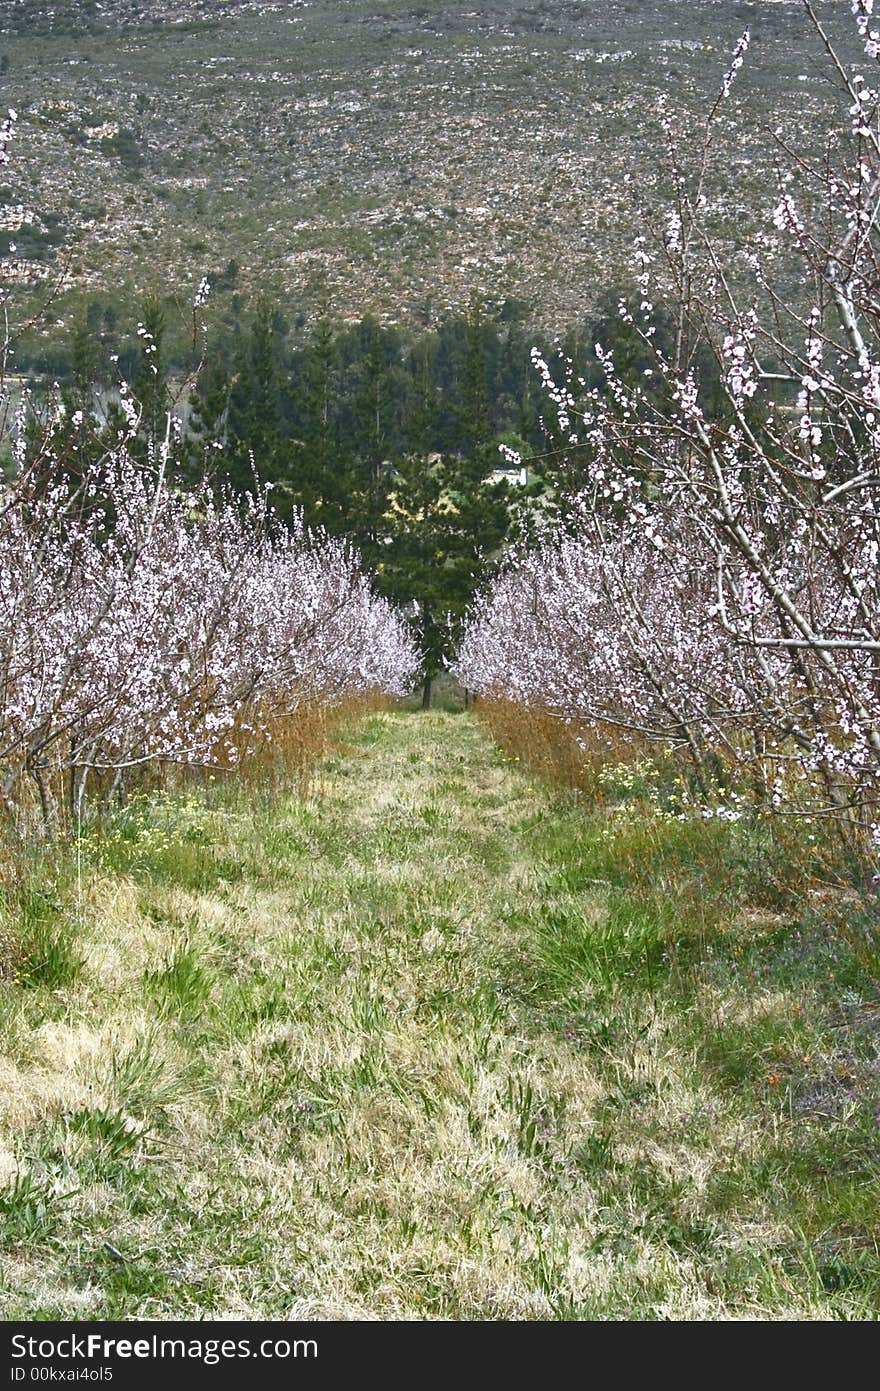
(405, 152)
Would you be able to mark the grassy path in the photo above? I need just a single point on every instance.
(386, 1052)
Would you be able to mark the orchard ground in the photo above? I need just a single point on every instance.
(435, 1040)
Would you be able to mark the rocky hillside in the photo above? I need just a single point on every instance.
(405, 153)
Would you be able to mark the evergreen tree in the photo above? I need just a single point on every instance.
(410, 571)
(447, 518)
(372, 422)
(474, 412)
(254, 416)
(322, 463)
(84, 363)
(150, 382)
(207, 437)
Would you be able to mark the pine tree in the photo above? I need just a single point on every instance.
(322, 466)
(150, 383)
(372, 421)
(84, 360)
(254, 417)
(447, 517)
(411, 571)
(208, 425)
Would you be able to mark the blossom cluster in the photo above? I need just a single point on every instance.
(142, 621)
(599, 628)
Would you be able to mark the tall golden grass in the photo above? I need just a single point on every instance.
(296, 742)
(564, 752)
(815, 849)
(279, 747)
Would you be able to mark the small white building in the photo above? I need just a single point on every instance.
(516, 477)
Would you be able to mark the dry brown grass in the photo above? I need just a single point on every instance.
(265, 746)
(295, 742)
(565, 752)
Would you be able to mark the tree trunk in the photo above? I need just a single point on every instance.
(426, 692)
(47, 805)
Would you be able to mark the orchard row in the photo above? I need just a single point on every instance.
(142, 624)
(713, 590)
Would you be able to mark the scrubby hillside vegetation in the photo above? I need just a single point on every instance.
(401, 154)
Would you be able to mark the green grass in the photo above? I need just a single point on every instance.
(435, 1042)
